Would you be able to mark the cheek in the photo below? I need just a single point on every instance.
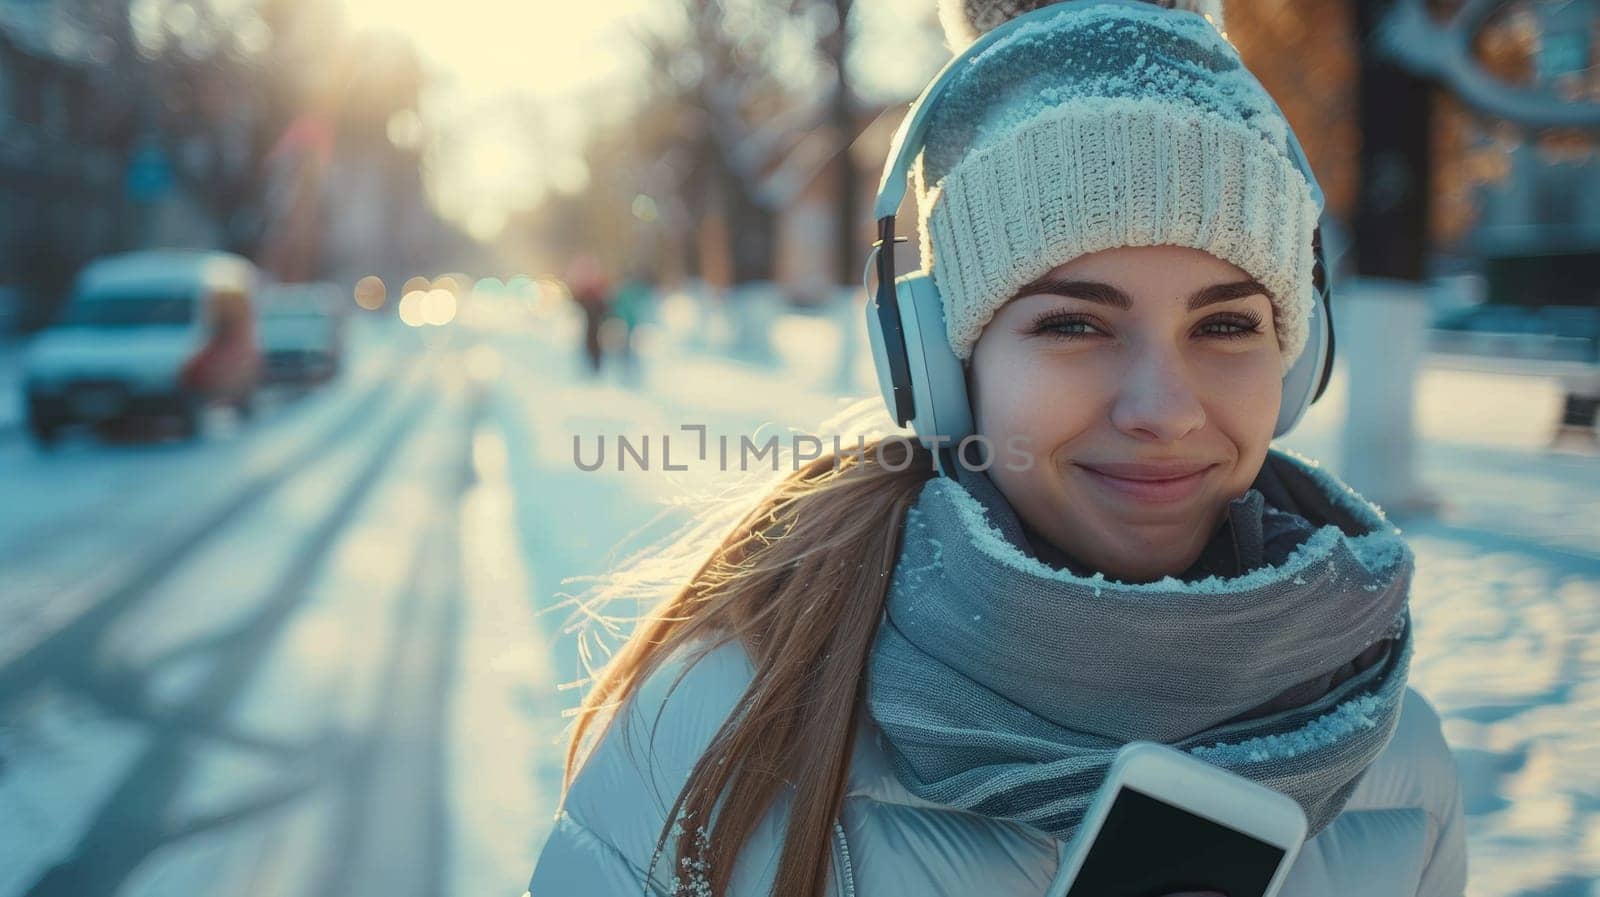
(1244, 395)
(1034, 396)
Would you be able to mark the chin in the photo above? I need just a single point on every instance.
(1146, 566)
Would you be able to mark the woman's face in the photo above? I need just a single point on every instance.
(1145, 383)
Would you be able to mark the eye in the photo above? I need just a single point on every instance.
(1235, 325)
(1058, 325)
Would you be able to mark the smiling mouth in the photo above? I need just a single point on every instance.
(1149, 488)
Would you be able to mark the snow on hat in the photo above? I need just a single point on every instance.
(1106, 126)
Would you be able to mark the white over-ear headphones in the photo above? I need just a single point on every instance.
(922, 380)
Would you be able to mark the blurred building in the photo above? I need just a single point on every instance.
(1537, 230)
(59, 178)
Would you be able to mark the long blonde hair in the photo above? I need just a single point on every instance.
(799, 580)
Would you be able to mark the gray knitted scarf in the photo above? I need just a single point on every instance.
(1005, 685)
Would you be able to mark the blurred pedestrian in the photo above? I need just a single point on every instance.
(591, 290)
(633, 305)
(906, 668)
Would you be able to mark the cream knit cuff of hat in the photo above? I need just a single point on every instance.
(1110, 126)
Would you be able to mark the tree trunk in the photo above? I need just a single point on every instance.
(847, 268)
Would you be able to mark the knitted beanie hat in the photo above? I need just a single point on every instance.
(1105, 126)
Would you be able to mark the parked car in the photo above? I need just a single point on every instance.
(147, 333)
(302, 331)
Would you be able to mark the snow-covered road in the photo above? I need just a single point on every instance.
(316, 654)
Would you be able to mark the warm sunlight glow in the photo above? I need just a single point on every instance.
(517, 88)
(487, 47)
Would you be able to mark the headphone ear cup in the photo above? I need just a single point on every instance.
(880, 355)
(889, 353)
(1300, 383)
(938, 380)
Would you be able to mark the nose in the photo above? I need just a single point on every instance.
(1158, 400)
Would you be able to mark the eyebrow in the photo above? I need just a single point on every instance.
(1106, 294)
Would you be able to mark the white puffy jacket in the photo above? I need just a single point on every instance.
(1401, 834)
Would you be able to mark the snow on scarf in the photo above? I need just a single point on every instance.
(1005, 686)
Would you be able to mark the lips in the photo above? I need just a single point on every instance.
(1149, 470)
(1154, 481)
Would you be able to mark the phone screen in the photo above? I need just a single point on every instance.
(1149, 848)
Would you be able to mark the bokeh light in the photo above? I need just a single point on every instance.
(644, 208)
(411, 308)
(370, 292)
(454, 283)
(438, 307)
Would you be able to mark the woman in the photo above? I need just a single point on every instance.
(885, 681)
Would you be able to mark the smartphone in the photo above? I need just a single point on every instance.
(1165, 822)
